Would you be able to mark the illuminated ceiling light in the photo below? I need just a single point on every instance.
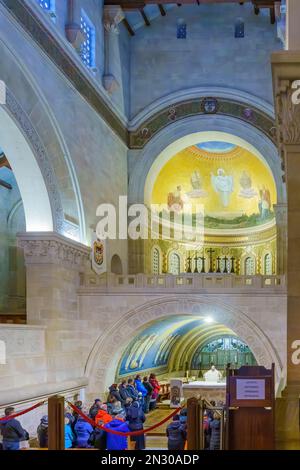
(208, 320)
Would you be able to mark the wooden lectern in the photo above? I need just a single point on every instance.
(250, 408)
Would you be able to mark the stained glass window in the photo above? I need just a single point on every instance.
(155, 261)
(174, 264)
(46, 4)
(268, 264)
(181, 29)
(239, 28)
(249, 266)
(87, 52)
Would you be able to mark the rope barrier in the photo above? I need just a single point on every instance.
(132, 433)
(20, 413)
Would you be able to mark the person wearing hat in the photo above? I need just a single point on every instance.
(117, 409)
(95, 408)
(83, 431)
(102, 418)
(136, 419)
(42, 432)
(12, 431)
(114, 441)
(176, 434)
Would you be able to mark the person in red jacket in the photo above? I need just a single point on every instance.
(156, 388)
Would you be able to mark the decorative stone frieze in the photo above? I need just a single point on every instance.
(52, 248)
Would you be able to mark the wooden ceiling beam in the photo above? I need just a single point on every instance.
(5, 184)
(145, 17)
(162, 10)
(128, 27)
(137, 4)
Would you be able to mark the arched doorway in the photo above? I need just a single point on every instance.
(28, 175)
(105, 356)
(116, 265)
(182, 344)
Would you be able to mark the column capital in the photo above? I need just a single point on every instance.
(52, 248)
(286, 69)
(112, 16)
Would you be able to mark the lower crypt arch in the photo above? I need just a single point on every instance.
(105, 356)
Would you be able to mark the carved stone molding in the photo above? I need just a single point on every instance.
(201, 107)
(22, 120)
(52, 248)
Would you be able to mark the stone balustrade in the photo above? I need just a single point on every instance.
(181, 283)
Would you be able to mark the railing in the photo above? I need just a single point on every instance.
(183, 282)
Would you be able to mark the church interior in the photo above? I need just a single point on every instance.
(149, 208)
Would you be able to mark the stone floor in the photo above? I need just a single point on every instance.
(157, 439)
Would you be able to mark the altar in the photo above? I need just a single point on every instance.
(215, 391)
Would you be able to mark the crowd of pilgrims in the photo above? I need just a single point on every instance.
(124, 411)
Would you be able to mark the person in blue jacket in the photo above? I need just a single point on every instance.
(69, 436)
(141, 389)
(12, 431)
(83, 431)
(139, 386)
(114, 441)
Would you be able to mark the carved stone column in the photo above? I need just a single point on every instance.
(286, 69)
(112, 16)
(53, 264)
(281, 226)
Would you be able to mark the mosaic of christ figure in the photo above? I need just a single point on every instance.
(223, 185)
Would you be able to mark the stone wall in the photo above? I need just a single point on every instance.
(210, 55)
(88, 160)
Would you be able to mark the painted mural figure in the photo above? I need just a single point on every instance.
(196, 182)
(175, 200)
(223, 185)
(264, 204)
(246, 186)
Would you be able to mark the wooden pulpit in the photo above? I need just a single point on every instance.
(250, 408)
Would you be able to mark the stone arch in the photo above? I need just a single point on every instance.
(105, 355)
(29, 110)
(43, 213)
(195, 129)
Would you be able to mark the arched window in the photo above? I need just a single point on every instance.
(174, 264)
(249, 266)
(268, 264)
(155, 261)
(46, 4)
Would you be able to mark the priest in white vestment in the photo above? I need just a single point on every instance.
(213, 375)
